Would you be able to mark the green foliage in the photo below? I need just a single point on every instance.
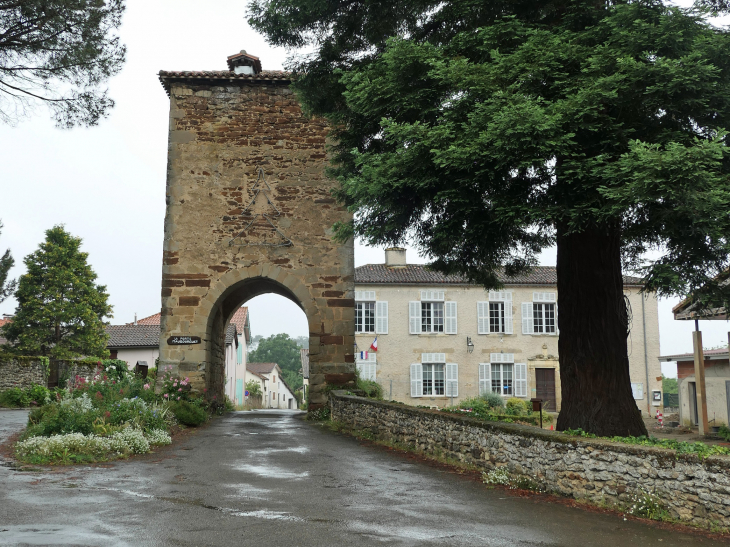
(724, 433)
(516, 407)
(492, 400)
(188, 414)
(645, 504)
(502, 477)
(669, 385)
(322, 414)
(371, 388)
(17, 397)
(681, 447)
(59, 53)
(60, 308)
(7, 286)
(279, 349)
(292, 379)
(172, 388)
(253, 387)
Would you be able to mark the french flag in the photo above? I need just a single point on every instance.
(374, 345)
(363, 355)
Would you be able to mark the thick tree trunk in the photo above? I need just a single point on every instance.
(593, 323)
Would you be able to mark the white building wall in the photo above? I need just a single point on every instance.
(132, 355)
(398, 349)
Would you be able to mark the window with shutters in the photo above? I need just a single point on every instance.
(502, 378)
(364, 316)
(543, 316)
(496, 317)
(433, 378)
(367, 367)
(432, 317)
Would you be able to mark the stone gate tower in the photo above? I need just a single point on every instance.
(249, 211)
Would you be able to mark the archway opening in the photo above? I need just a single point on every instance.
(264, 316)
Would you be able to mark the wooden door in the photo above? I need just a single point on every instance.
(545, 387)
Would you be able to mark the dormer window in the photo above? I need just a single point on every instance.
(243, 63)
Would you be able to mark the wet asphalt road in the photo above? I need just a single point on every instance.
(269, 478)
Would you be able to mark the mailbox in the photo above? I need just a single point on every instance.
(536, 404)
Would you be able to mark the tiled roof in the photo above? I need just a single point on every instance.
(261, 368)
(5, 321)
(239, 319)
(129, 336)
(151, 320)
(421, 274)
(230, 333)
(167, 76)
(720, 353)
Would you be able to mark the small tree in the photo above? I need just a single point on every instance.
(7, 286)
(60, 308)
(253, 388)
(279, 349)
(58, 52)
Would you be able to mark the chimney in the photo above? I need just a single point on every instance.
(243, 63)
(135, 318)
(395, 257)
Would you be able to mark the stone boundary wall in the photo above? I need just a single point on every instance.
(21, 372)
(695, 491)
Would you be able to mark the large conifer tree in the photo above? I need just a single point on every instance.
(488, 130)
(61, 309)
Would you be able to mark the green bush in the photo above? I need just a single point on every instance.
(372, 389)
(724, 432)
(492, 400)
(188, 414)
(516, 407)
(17, 397)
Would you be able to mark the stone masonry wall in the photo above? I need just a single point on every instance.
(230, 236)
(695, 491)
(21, 372)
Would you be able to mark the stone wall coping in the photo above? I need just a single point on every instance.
(547, 436)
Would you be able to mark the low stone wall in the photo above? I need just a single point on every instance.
(68, 370)
(695, 491)
(21, 372)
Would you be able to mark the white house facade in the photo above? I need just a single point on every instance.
(276, 392)
(441, 339)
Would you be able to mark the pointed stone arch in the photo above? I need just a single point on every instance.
(225, 138)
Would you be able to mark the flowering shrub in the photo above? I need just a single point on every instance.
(159, 437)
(174, 389)
(647, 505)
(81, 404)
(34, 395)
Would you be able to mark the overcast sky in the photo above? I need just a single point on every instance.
(107, 183)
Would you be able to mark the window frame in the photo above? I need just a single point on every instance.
(501, 379)
(360, 309)
(428, 317)
(431, 368)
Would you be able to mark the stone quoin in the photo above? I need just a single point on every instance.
(250, 211)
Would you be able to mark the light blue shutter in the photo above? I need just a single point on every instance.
(528, 321)
(450, 317)
(381, 317)
(483, 317)
(452, 380)
(416, 380)
(485, 378)
(414, 317)
(520, 379)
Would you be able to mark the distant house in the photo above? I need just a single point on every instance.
(277, 394)
(4, 321)
(236, 376)
(138, 343)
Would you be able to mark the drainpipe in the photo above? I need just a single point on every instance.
(646, 358)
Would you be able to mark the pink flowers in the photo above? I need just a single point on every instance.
(165, 395)
(180, 389)
(146, 386)
(178, 398)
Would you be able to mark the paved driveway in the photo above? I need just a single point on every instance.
(269, 478)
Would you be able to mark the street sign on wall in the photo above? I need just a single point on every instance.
(183, 340)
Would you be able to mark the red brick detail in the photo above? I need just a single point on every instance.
(341, 303)
(331, 340)
(197, 283)
(281, 261)
(339, 379)
(330, 278)
(219, 268)
(172, 283)
(332, 294)
(349, 358)
(170, 261)
(185, 276)
(189, 301)
(166, 292)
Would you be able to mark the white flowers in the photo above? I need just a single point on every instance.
(121, 443)
(80, 404)
(497, 476)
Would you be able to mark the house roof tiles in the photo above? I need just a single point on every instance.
(220, 76)
(421, 274)
(131, 336)
(261, 368)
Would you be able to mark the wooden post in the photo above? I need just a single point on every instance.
(700, 381)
